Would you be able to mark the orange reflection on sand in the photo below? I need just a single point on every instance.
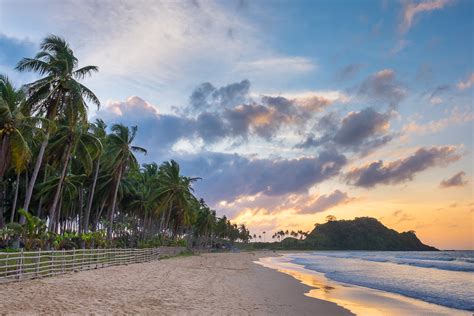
(359, 300)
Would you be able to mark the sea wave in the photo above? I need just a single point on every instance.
(426, 276)
(434, 260)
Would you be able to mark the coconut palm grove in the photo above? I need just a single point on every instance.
(67, 182)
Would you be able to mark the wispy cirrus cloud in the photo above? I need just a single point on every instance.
(456, 116)
(411, 9)
(276, 66)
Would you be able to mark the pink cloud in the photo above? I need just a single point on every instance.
(412, 9)
(462, 85)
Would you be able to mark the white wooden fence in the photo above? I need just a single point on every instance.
(23, 265)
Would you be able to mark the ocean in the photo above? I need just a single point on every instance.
(445, 278)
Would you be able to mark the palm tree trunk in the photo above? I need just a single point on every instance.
(15, 199)
(162, 221)
(81, 209)
(3, 195)
(112, 208)
(52, 211)
(3, 156)
(40, 203)
(100, 210)
(168, 216)
(91, 197)
(31, 185)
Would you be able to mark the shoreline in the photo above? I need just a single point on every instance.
(357, 299)
(218, 283)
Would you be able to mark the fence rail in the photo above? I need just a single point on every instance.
(24, 265)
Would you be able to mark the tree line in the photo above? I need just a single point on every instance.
(66, 181)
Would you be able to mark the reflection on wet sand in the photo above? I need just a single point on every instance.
(359, 300)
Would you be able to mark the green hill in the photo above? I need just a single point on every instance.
(362, 233)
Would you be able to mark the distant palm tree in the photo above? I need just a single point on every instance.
(175, 193)
(120, 158)
(58, 89)
(98, 129)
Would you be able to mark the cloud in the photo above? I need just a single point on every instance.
(382, 86)
(276, 66)
(216, 115)
(360, 131)
(206, 97)
(412, 9)
(402, 216)
(457, 117)
(349, 71)
(232, 111)
(326, 202)
(456, 180)
(160, 48)
(229, 176)
(463, 85)
(436, 95)
(401, 170)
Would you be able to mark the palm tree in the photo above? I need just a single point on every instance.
(175, 192)
(72, 140)
(121, 158)
(59, 88)
(15, 123)
(98, 129)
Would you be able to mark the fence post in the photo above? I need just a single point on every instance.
(52, 262)
(62, 262)
(73, 258)
(6, 264)
(20, 267)
(38, 261)
(90, 259)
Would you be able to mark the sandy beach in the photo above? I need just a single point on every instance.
(224, 283)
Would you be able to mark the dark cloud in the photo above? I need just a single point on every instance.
(13, 49)
(457, 180)
(403, 169)
(360, 131)
(210, 127)
(349, 71)
(256, 119)
(357, 127)
(230, 111)
(227, 176)
(207, 97)
(199, 99)
(382, 86)
(326, 202)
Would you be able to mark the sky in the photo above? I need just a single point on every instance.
(290, 111)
